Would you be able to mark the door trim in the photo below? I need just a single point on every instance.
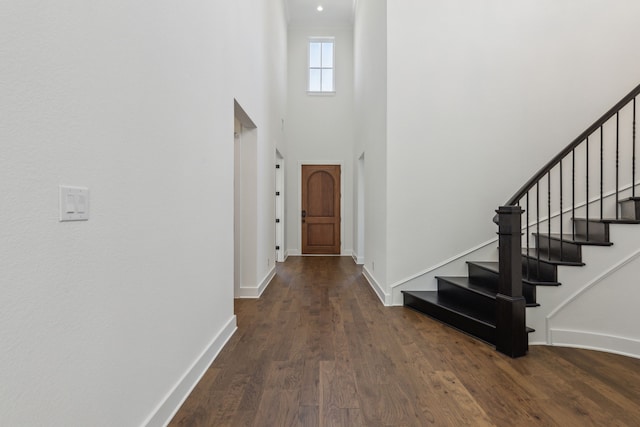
(281, 208)
(299, 219)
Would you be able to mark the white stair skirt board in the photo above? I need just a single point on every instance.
(168, 407)
(593, 341)
(455, 265)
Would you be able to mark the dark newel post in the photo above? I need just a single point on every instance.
(511, 330)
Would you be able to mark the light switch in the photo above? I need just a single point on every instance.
(71, 204)
(74, 203)
(81, 204)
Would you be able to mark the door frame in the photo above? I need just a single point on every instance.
(359, 222)
(280, 208)
(299, 217)
(246, 191)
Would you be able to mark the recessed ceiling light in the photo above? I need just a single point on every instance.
(320, 8)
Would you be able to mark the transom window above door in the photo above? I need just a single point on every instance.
(321, 66)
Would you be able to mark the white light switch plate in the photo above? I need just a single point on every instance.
(74, 203)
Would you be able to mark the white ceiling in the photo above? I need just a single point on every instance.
(335, 13)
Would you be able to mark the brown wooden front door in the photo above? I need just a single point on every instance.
(321, 209)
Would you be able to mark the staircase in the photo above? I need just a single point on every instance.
(491, 306)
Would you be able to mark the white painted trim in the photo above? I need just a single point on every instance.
(611, 344)
(280, 208)
(357, 259)
(359, 208)
(165, 411)
(296, 252)
(584, 289)
(384, 297)
(342, 174)
(257, 292)
(319, 255)
(443, 263)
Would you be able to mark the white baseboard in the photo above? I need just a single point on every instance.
(166, 410)
(257, 292)
(594, 341)
(357, 259)
(384, 297)
(296, 252)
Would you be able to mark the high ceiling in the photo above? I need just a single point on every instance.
(334, 13)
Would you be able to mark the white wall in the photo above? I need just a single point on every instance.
(319, 128)
(274, 81)
(480, 96)
(110, 321)
(595, 307)
(259, 68)
(370, 40)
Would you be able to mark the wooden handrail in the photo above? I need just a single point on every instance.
(562, 154)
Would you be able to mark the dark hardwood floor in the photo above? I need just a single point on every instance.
(319, 349)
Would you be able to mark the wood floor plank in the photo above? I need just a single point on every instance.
(277, 408)
(466, 410)
(318, 349)
(337, 387)
(308, 416)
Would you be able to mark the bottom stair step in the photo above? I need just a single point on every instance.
(466, 318)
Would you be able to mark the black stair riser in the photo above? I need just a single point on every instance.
(487, 279)
(478, 329)
(566, 251)
(490, 281)
(467, 297)
(630, 209)
(538, 271)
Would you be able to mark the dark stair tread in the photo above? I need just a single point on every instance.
(457, 309)
(467, 283)
(577, 240)
(493, 266)
(628, 199)
(451, 305)
(610, 220)
(533, 255)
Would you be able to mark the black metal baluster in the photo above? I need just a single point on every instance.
(561, 225)
(586, 201)
(573, 190)
(617, 159)
(548, 215)
(633, 155)
(527, 213)
(601, 172)
(538, 230)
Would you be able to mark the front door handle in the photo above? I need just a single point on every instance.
(304, 214)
